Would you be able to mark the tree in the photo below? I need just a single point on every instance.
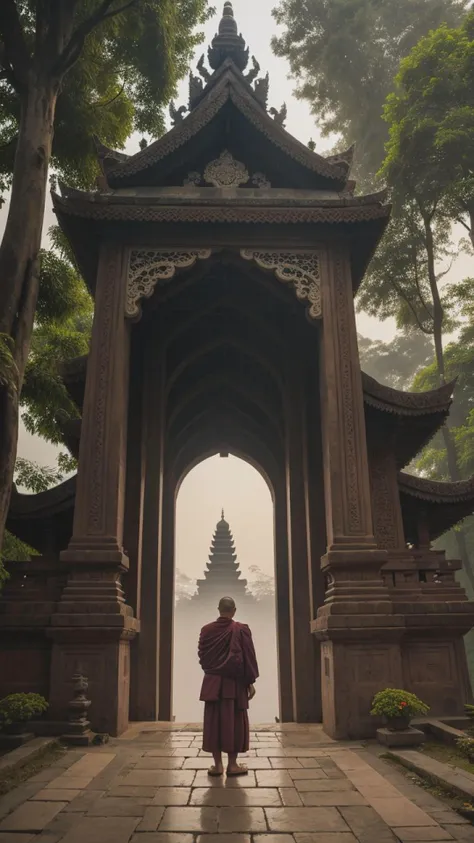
(185, 588)
(62, 62)
(262, 585)
(431, 117)
(396, 363)
(344, 55)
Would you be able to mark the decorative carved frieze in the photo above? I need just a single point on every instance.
(149, 267)
(301, 269)
(225, 171)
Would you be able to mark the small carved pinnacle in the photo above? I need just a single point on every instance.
(280, 116)
(252, 74)
(177, 114)
(203, 71)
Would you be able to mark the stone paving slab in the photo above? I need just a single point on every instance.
(161, 837)
(32, 816)
(154, 788)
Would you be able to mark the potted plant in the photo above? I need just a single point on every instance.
(18, 709)
(397, 707)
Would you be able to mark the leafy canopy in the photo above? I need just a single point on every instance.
(431, 117)
(119, 77)
(344, 55)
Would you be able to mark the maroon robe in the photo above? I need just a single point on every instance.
(227, 657)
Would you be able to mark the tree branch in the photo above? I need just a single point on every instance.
(73, 49)
(405, 298)
(106, 104)
(14, 55)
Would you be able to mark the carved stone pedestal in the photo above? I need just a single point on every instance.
(403, 738)
(360, 642)
(91, 635)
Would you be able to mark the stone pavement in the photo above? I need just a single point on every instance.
(150, 786)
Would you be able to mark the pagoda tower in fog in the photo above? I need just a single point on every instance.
(222, 577)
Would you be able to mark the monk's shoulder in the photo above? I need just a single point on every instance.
(244, 627)
(209, 627)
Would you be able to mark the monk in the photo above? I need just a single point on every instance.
(227, 657)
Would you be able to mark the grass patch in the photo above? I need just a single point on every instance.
(447, 755)
(444, 793)
(13, 778)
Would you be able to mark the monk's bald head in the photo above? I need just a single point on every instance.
(227, 607)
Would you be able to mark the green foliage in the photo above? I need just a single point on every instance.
(126, 73)
(431, 118)
(393, 702)
(19, 708)
(8, 368)
(466, 747)
(62, 332)
(39, 478)
(345, 54)
(14, 550)
(398, 283)
(469, 712)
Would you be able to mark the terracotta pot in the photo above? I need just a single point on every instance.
(398, 723)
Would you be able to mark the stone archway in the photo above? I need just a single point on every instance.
(208, 380)
(229, 501)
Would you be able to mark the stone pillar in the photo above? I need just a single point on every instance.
(283, 602)
(358, 630)
(93, 626)
(314, 502)
(147, 645)
(134, 502)
(165, 667)
(305, 708)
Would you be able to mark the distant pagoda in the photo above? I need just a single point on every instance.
(222, 577)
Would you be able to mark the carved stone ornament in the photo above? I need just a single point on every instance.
(298, 268)
(226, 172)
(149, 267)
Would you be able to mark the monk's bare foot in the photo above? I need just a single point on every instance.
(215, 771)
(237, 770)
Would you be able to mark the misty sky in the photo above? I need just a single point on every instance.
(231, 483)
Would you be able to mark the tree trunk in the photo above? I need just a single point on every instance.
(19, 257)
(451, 455)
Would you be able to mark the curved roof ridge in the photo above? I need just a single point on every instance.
(392, 400)
(231, 86)
(437, 491)
(28, 505)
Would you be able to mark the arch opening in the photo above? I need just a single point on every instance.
(224, 545)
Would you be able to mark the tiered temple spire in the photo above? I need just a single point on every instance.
(228, 43)
(222, 577)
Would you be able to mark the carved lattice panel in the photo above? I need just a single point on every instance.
(149, 267)
(301, 269)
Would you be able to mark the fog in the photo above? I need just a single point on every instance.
(256, 565)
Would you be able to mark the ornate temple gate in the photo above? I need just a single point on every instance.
(224, 259)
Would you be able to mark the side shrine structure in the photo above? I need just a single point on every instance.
(224, 259)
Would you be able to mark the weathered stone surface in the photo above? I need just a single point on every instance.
(32, 816)
(56, 795)
(102, 830)
(407, 737)
(305, 819)
(151, 819)
(160, 778)
(273, 778)
(290, 797)
(190, 819)
(242, 819)
(170, 796)
(421, 835)
(345, 797)
(257, 796)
